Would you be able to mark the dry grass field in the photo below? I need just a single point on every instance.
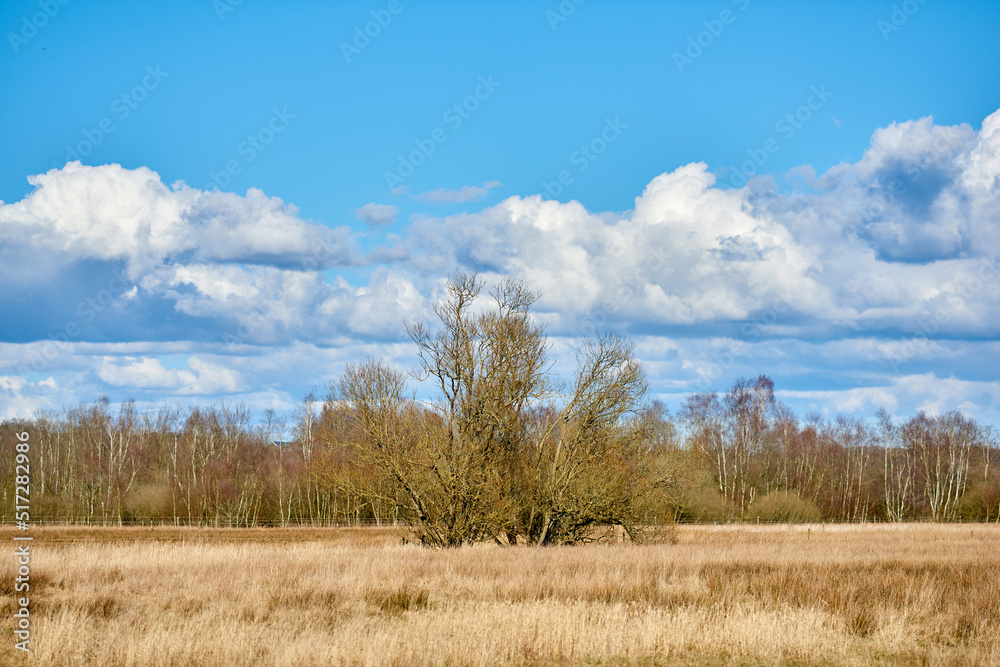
(848, 594)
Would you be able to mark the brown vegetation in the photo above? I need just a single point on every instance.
(502, 451)
(490, 459)
(804, 594)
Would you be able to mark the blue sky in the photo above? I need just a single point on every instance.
(265, 191)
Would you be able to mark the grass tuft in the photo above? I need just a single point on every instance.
(398, 601)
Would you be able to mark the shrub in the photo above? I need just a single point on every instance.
(784, 507)
(704, 504)
(146, 502)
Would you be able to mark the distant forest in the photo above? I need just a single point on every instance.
(738, 456)
(505, 451)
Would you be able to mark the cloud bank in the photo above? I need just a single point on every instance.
(874, 283)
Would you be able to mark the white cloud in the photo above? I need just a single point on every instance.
(890, 260)
(907, 394)
(918, 143)
(20, 398)
(111, 213)
(377, 214)
(203, 377)
(922, 192)
(188, 374)
(464, 194)
(143, 373)
(898, 241)
(862, 399)
(12, 384)
(379, 309)
(208, 378)
(981, 165)
(688, 253)
(267, 305)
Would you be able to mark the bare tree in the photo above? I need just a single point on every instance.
(852, 439)
(897, 469)
(749, 408)
(942, 448)
(591, 462)
(487, 459)
(733, 434)
(988, 442)
(703, 416)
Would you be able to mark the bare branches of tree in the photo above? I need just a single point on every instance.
(491, 459)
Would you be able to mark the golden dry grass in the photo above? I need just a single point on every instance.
(922, 594)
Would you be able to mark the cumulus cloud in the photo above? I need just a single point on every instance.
(903, 240)
(201, 377)
(377, 214)
(12, 383)
(106, 253)
(270, 306)
(890, 261)
(109, 213)
(922, 192)
(142, 373)
(689, 252)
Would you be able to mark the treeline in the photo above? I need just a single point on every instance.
(503, 451)
(762, 463)
(741, 455)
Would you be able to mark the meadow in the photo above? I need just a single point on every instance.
(844, 594)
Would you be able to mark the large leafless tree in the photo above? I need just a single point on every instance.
(493, 456)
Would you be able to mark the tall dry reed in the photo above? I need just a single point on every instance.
(771, 595)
